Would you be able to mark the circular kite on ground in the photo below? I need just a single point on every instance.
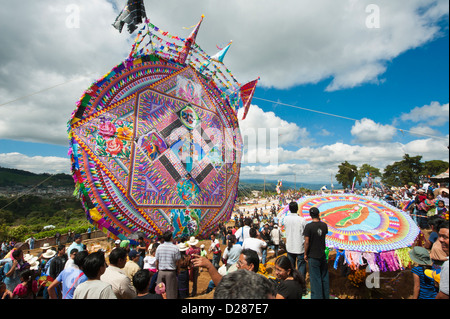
(360, 224)
(156, 145)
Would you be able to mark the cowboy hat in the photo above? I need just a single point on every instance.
(46, 246)
(192, 241)
(182, 247)
(34, 264)
(49, 253)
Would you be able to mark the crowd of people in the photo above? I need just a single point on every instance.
(164, 267)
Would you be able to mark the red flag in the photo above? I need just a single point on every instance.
(247, 92)
(182, 57)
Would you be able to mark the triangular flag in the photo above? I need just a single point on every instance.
(182, 57)
(246, 93)
(221, 54)
(219, 57)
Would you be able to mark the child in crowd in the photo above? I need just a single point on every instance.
(441, 210)
(150, 260)
(28, 287)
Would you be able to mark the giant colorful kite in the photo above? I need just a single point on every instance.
(365, 230)
(155, 143)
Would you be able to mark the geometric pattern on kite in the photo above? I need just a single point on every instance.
(358, 223)
(148, 151)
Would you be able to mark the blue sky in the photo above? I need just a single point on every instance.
(413, 79)
(318, 55)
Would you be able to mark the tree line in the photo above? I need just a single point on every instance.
(408, 171)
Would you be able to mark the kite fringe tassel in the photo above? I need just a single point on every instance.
(393, 260)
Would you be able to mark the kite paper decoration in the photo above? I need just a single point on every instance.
(133, 14)
(363, 227)
(247, 92)
(189, 43)
(155, 144)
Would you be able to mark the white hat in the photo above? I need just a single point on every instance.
(182, 247)
(46, 246)
(202, 246)
(192, 241)
(117, 242)
(34, 264)
(49, 253)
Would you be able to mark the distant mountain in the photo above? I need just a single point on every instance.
(13, 177)
(256, 184)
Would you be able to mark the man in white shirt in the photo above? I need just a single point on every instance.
(243, 232)
(254, 243)
(295, 225)
(116, 277)
(94, 266)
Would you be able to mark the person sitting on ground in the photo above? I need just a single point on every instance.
(141, 282)
(94, 266)
(115, 275)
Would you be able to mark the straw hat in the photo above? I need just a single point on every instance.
(192, 241)
(49, 253)
(34, 264)
(182, 247)
(46, 246)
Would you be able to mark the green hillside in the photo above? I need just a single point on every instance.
(14, 177)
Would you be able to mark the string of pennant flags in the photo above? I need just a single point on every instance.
(168, 46)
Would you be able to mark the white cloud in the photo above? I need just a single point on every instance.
(288, 133)
(315, 165)
(44, 52)
(367, 131)
(434, 114)
(424, 131)
(287, 43)
(35, 164)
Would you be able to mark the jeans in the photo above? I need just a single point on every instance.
(301, 263)
(318, 277)
(264, 256)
